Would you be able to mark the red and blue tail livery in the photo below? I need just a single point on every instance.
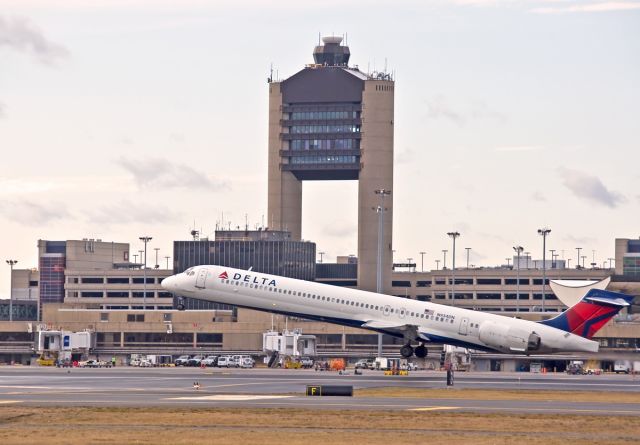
(591, 313)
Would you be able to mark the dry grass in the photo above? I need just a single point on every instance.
(53, 426)
(491, 394)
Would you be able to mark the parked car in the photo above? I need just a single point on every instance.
(90, 364)
(246, 362)
(182, 360)
(195, 360)
(306, 362)
(209, 361)
(365, 363)
(224, 361)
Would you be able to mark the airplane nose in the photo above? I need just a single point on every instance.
(169, 283)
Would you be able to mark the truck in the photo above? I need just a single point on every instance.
(623, 366)
(160, 360)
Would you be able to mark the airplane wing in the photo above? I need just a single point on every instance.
(407, 330)
(411, 331)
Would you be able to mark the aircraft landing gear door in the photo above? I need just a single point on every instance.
(464, 326)
(201, 278)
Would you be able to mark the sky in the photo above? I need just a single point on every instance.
(123, 118)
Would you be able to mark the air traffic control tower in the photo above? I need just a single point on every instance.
(331, 121)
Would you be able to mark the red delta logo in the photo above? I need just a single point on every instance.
(224, 275)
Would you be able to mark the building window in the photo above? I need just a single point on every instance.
(166, 316)
(141, 280)
(92, 295)
(493, 281)
(92, 280)
(399, 283)
(104, 316)
(118, 280)
(118, 294)
(135, 318)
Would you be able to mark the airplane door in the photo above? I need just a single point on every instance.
(464, 326)
(202, 276)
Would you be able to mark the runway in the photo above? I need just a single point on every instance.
(173, 387)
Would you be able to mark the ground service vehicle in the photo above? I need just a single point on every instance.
(195, 361)
(306, 362)
(623, 366)
(209, 361)
(224, 361)
(182, 360)
(366, 363)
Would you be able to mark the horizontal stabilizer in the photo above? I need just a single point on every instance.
(609, 301)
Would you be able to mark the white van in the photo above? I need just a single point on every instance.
(224, 361)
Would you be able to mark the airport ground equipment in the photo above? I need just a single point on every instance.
(63, 345)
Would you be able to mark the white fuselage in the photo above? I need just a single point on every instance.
(411, 319)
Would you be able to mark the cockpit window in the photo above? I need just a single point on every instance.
(190, 271)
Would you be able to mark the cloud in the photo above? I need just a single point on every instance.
(340, 229)
(538, 196)
(161, 173)
(590, 188)
(605, 6)
(406, 156)
(31, 213)
(516, 148)
(584, 240)
(19, 34)
(127, 212)
(439, 108)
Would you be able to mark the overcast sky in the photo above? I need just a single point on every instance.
(122, 118)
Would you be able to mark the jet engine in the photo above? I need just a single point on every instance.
(508, 338)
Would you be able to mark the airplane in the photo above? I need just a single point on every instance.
(411, 320)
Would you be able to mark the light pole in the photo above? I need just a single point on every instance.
(145, 240)
(544, 232)
(508, 260)
(135, 258)
(610, 259)
(409, 260)
(583, 258)
(11, 263)
(382, 193)
(422, 261)
(157, 249)
(553, 258)
(444, 262)
(568, 263)
(468, 249)
(321, 255)
(437, 264)
(167, 258)
(578, 262)
(453, 235)
(518, 250)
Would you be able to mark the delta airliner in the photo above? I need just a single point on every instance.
(414, 321)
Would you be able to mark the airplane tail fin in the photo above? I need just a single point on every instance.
(587, 316)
